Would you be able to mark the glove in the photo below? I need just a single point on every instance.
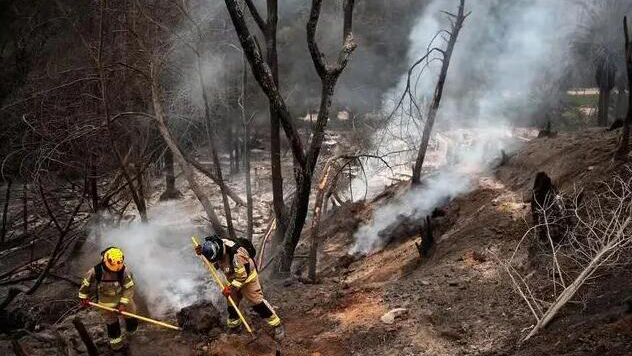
(85, 302)
(198, 249)
(227, 291)
(121, 308)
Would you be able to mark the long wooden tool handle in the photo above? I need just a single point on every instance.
(220, 284)
(155, 322)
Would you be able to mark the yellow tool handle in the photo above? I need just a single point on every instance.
(220, 284)
(156, 322)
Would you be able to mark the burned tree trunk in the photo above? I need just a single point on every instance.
(268, 28)
(427, 238)
(170, 178)
(313, 251)
(85, 337)
(5, 212)
(246, 152)
(457, 24)
(544, 207)
(304, 161)
(624, 142)
(94, 192)
(179, 157)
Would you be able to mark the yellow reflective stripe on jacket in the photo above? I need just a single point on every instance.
(124, 300)
(83, 296)
(235, 283)
(252, 276)
(85, 282)
(111, 305)
(128, 284)
(116, 340)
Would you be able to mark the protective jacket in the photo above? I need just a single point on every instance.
(237, 265)
(111, 288)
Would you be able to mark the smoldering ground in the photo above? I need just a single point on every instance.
(505, 49)
(168, 273)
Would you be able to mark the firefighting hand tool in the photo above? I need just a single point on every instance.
(128, 314)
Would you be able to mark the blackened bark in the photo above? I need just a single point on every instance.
(436, 100)
(427, 238)
(170, 178)
(25, 211)
(304, 162)
(246, 152)
(318, 206)
(85, 336)
(94, 192)
(542, 208)
(624, 142)
(329, 76)
(5, 212)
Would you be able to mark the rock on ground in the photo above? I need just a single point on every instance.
(389, 318)
(200, 318)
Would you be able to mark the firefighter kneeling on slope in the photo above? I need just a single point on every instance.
(235, 260)
(114, 288)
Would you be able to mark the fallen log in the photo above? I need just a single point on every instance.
(85, 336)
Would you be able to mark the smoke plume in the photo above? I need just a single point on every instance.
(505, 51)
(160, 255)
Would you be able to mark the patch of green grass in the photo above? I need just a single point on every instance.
(583, 100)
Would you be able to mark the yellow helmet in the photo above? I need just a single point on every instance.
(113, 259)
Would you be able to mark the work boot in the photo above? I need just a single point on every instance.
(234, 326)
(235, 331)
(279, 332)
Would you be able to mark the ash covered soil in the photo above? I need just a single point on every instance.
(459, 301)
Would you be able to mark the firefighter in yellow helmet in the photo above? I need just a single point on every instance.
(235, 259)
(112, 285)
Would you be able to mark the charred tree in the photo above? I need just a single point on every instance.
(605, 75)
(544, 207)
(457, 23)
(304, 158)
(246, 150)
(268, 28)
(170, 178)
(318, 207)
(5, 212)
(624, 142)
(427, 238)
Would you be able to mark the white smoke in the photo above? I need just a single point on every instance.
(167, 272)
(504, 50)
(449, 181)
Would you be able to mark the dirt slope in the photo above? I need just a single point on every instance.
(459, 301)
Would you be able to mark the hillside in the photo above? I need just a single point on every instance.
(459, 301)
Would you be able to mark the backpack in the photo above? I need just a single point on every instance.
(98, 274)
(246, 244)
